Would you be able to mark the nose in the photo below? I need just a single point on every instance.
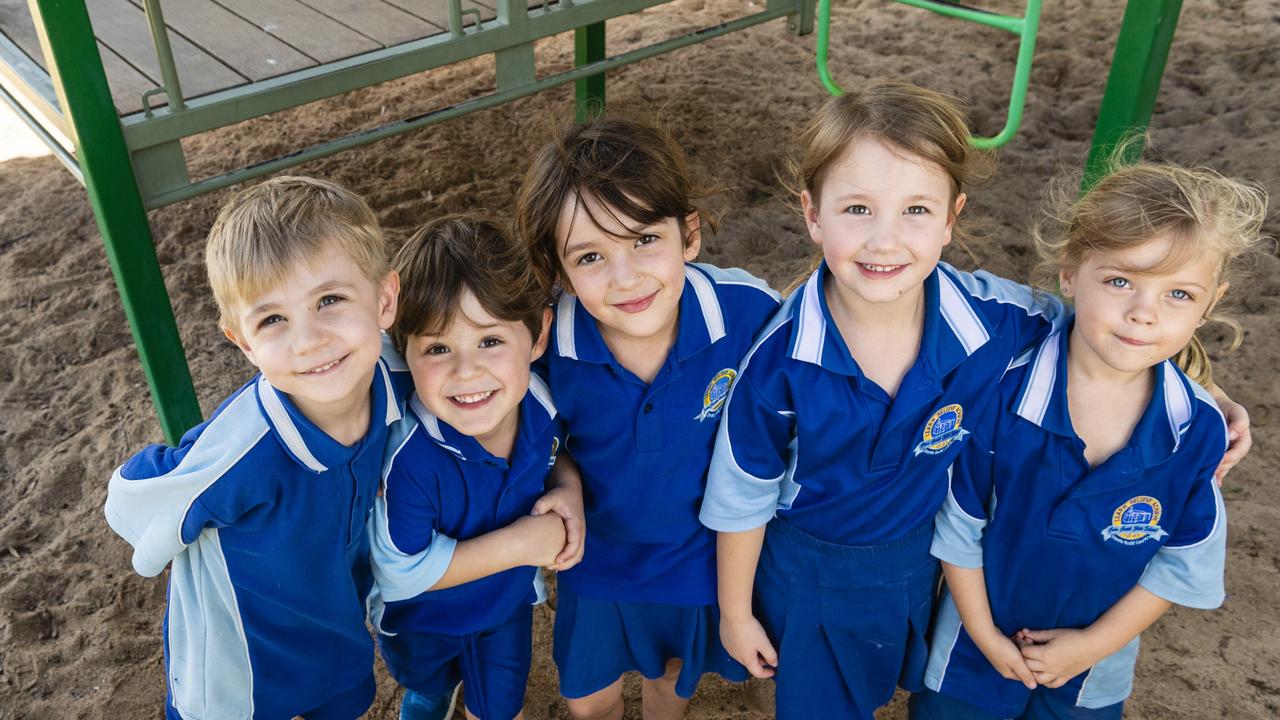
(884, 235)
(466, 364)
(1142, 310)
(623, 271)
(308, 335)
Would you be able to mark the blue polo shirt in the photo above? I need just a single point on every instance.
(441, 487)
(1061, 542)
(262, 518)
(807, 437)
(644, 448)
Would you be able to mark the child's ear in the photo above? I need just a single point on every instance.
(961, 198)
(544, 336)
(388, 298)
(240, 343)
(810, 209)
(1217, 296)
(1066, 280)
(693, 230)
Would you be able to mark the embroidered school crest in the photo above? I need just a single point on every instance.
(942, 429)
(1135, 522)
(716, 393)
(555, 448)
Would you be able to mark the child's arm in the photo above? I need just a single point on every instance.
(1055, 656)
(532, 540)
(1241, 439)
(564, 498)
(742, 635)
(968, 588)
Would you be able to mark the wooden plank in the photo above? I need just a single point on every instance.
(126, 82)
(436, 12)
(16, 24)
(231, 39)
(318, 36)
(121, 26)
(379, 20)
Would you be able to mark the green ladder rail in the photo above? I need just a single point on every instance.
(1024, 27)
(1133, 83)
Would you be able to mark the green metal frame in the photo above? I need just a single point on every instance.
(103, 159)
(1137, 67)
(1024, 27)
(132, 164)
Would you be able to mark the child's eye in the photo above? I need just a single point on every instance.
(587, 258)
(436, 349)
(646, 240)
(917, 210)
(270, 320)
(490, 341)
(1180, 295)
(330, 299)
(1118, 282)
(858, 210)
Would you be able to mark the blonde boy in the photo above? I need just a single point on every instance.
(261, 510)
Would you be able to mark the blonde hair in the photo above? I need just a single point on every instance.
(921, 123)
(1198, 209)
(263, 233)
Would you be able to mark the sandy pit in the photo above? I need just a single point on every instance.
(81, 632)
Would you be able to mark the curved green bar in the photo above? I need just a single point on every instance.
(1025, 27)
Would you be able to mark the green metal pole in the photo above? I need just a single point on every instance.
(113, 191)
(1134, 81)
(588, 47)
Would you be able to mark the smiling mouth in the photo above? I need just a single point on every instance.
(871, 270)
(473, 399)
(1131, 342)
(322, 369)
(638, 305)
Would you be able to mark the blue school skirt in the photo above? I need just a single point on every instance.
(849, 622)
(492, 664)
(596, 641)
(1042, 705)
(346, 705)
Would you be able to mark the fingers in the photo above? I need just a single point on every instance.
(1023, 673)
(542, 506)
(1038, 636)
(763, 662)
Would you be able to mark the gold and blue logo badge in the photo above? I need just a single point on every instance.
(1135, 522)
(555, 448)
(942, 429)
(716, 393)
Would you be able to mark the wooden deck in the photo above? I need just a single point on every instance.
(219, 44)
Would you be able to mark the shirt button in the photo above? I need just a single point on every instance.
(648, 408)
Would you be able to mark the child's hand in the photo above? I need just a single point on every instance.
(747, 643)
(1238, 434)
(541, 538)
(1056, 656)
(1005, 656)
(566, 503)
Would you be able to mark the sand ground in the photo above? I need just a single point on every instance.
(81, 632)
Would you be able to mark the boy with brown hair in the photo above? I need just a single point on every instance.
(261, 510)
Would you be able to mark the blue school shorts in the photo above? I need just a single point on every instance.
(492, 664)
(346, 705)
(931, 705)
(596, 641)
(849, 622)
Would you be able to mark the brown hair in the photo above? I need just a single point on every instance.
(1198, 209)
(456, 253)
(266, 231)
(630, 168)
(921, 123)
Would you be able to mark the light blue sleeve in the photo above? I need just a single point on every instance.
(399, 575)
(957, 534)
(150, 498)
(1192, 575)
(751, 460)
(985, 286)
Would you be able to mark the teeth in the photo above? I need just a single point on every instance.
(325, 367)
(880, 268)
(472, 398)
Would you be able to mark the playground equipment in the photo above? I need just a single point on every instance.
(126, 148)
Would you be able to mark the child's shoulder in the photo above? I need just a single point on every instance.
(736, 285)
(1194, 411)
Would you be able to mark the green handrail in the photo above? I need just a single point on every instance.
(1024, 27)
